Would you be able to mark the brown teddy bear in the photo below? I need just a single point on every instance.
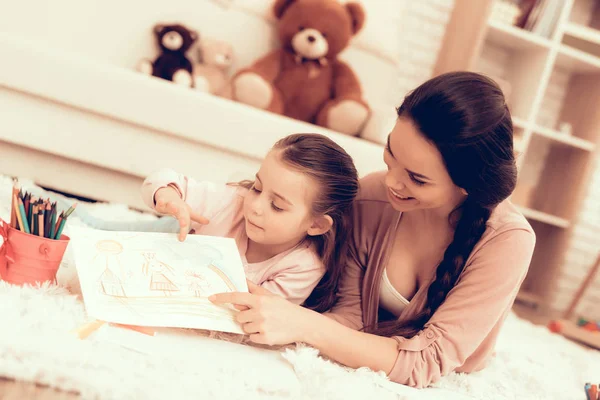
(211, 74)
(172, 64)
(304, 79)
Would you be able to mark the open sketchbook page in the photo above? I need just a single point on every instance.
(153, 279)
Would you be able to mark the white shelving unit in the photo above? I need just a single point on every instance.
(554, 167)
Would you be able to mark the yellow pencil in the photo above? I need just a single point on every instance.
(87, 329)
(18, 213)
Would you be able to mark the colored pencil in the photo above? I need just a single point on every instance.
(47, 219)
(52, 223)
(30, 213)
(18, 214)
(14, 206)
(37, 216)
(70, 210)
(60, 229)
(41, 222)
(594, 392)
(26, 200)
(58, 222)
(24, 217)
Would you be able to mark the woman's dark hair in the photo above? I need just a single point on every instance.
(333, 169)
(465, 115)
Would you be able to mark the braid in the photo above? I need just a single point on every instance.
(470, 228)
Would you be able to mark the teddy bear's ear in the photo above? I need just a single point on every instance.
(357, 13)
(280, 6)
(158, 28)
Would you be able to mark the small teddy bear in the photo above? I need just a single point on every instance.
(211, 74)
(172, 64)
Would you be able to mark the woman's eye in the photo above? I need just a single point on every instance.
(255, 189)
(276, 208)
(416, 181)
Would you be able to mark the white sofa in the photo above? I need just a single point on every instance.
(76, 117)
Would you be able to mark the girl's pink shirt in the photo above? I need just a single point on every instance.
(292, 274)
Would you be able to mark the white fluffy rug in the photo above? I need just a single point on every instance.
(36, 345)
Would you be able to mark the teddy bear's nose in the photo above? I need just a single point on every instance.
(311, 38)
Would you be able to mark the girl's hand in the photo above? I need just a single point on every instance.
(268, 319)
(168, 202)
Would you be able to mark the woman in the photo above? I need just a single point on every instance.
(438, 255)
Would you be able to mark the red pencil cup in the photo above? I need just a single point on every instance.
(29, 259)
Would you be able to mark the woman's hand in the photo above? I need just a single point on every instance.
(268, 319)
(169, 202)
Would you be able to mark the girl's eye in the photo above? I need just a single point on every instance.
(255, 189)
(416, 181)
(276, 208)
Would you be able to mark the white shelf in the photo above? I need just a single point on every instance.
(577, 60)
(544, 217)
(583, 32)
(564, 138)
(518, 144)
(514, 38)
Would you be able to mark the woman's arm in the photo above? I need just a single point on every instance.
(270, 319)
(472, 309)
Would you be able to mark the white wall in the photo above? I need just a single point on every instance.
(395, 51)
(119, 33)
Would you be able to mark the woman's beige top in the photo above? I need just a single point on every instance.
(461, 334)
(389, 298)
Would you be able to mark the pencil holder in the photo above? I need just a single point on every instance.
(29, 259)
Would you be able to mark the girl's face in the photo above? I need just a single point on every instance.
(417, 177)
(278, 207)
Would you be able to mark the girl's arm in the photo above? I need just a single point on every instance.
(205, 198)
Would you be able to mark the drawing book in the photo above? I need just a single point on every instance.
(153, 279)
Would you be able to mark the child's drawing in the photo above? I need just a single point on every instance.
(153, 279)
(108, 255)
(198, 283)
(158, 272)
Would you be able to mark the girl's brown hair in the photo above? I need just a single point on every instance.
(333, 169)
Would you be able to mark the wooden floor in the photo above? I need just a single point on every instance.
(17, 390)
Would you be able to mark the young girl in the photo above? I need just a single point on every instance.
(291, 224)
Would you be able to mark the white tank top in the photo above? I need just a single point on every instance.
(389, 298)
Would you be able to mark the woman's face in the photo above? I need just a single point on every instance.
(417, 177)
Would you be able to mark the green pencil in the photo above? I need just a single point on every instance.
(52, 223)
(60, 229)
(70, 210)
